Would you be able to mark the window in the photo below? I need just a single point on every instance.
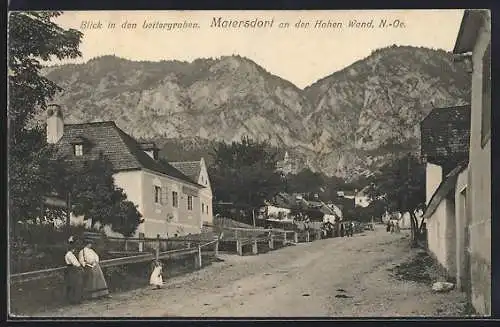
(157, 190)
(164, 196)
(175, 199)
(202, 207)
(190, 202)
(486, 98)
(78, 150)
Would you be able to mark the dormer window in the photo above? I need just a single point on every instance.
(79, 143)
(150, 149)
(78, 150)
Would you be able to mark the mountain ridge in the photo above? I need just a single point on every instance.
(333, 124)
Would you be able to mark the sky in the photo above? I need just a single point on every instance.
(301, 55)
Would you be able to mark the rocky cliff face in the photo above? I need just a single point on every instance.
(372, 109)
(345, 124)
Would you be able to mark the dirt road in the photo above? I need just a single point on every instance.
(339, 277)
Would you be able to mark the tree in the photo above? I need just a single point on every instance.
(305, 181)
(401, 184)
(95, 196)
(244, 173)
(376, 209)
(365, 214)
(33, 38)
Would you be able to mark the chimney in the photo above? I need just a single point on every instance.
(55, 123)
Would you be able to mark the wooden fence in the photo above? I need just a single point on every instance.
(135, 250)
(271, 238)
(194, 247)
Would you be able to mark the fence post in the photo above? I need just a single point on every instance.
(157, 246)
(254, 247)
(295, 237)
(141, 243)
(198, 258)
(239, 247)
(307, 236)
(126, 245)
(284, 238)
(271, 241)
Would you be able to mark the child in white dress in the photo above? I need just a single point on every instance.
(156, 278)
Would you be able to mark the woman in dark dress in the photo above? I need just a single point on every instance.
(73, 274)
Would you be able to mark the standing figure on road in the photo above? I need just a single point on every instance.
(95, 285)
(156, 278)
(73, 274)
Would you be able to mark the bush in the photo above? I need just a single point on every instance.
(40, 246)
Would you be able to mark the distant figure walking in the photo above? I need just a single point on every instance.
(73, 274)
(156, 278)
(393, 227)
(349, 229)
(95, 285)
(388, 229)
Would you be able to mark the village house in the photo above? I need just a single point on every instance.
(346, 200)
(351, 195)
(445, 149)
(331, 212)
(358, 198)
(168, 200)
(198, 173)
(361, 198)
(279, 208)
(474, 256)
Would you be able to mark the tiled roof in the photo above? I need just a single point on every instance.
(121, 149)
(445, 134)
(191, 169)
(363, 191)
(322, 207)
